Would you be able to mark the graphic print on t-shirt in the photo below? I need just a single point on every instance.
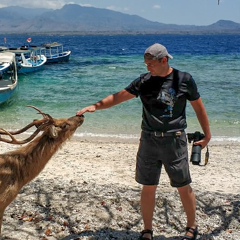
(168, 97)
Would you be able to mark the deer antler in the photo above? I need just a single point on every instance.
(39, 111)
(13, 140)
(36, 123)
(39, 124)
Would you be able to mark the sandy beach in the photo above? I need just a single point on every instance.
(88, 191)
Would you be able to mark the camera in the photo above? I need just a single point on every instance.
(196, 149)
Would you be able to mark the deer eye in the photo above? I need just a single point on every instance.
(65, 126)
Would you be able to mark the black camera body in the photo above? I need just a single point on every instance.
(196, 149)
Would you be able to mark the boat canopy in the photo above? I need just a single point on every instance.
(3, 48)
(51, 45)
(7, 57)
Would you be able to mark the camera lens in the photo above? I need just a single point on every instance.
(196, 155)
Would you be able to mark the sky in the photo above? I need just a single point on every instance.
(182, 12)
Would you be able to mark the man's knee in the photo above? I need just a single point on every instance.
(149, 189)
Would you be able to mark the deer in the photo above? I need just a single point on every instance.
(20, 166)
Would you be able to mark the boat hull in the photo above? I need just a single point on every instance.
(8, 79)
(6, 94)
(58, 58)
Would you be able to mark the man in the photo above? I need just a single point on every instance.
(164, 92)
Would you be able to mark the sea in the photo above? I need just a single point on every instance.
(102, 65)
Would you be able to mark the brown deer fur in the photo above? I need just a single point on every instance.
(19, 167)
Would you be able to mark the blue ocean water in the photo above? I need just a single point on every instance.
(101, 65)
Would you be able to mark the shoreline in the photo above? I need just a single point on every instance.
(221, 140)
(134, 138)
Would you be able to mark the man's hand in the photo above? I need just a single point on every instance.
(203, 142)
(90, 109)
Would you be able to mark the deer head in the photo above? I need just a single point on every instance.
(48, 125)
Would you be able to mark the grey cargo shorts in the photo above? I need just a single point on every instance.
(157, 151)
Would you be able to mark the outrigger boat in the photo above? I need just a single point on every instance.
(55, 53)
(29, 59)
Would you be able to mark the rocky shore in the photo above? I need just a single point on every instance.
(88, 191)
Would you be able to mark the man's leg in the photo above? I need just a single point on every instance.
(189, 204)
(148, 206)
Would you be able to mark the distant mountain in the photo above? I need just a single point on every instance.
(73, 18)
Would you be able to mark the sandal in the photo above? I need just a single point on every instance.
(193, 231)
(146, 231)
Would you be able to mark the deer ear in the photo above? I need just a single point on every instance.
(54, 131)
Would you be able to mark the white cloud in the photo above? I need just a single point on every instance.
(86, 5)
(156, 6)
(118, 9)
(53, 4)
(112, 8)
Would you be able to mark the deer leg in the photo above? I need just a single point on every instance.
(1, 219)
(5, 202)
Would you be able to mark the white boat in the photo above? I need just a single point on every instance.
(29, 59)
(55, 53)
(4, 66)
(9, 78)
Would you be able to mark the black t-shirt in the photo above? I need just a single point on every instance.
(164, 100)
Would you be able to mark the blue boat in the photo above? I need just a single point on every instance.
(55, 53)
(29, 59)
(9, 77)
